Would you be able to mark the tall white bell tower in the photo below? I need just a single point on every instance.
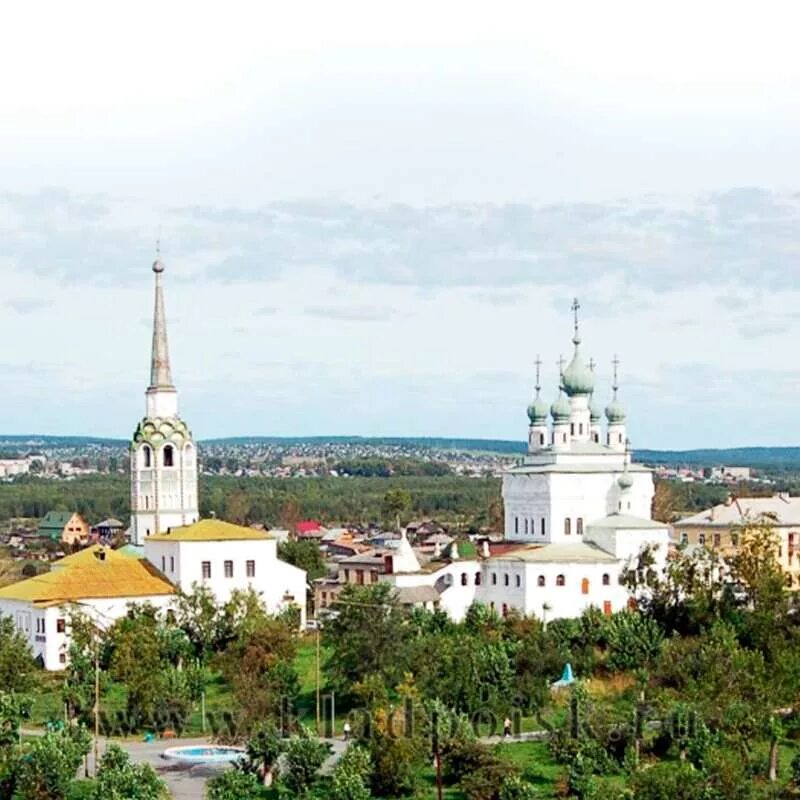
(163, 453)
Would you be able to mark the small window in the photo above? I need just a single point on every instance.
(251, 569)
(169, 456)
(477, 579)
(506, 579)
(163, 563)
(701, 538)
(579, 526)
(572, 429)
(543, 526)
(585, 586)
(516, 524)
(606, 579)
(374, 576)
(560, 580)
(464, 579)
(62, 658)
(607, 607)
(347, 576)
(541, 439)
(519, 581)
(61, 625)
(206, 568)
(360, 577)
(494, 579)
(229, 569)
(734, 539)
(567, 526)
(540, 581)
(717, 540)
(685, 538)
(148, 458)
(526, 526)
(172, 563)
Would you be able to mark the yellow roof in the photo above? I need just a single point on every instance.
(83, 576)
(209, 530)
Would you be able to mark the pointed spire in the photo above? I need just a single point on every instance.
(538, 364)
(160, 373)
(615, 383)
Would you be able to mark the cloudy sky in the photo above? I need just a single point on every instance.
(375, 215)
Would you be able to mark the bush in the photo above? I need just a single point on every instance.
(352, 775)
(304, 757)
(514, 788)
(234, 785)
(634, 641)
(487, 782)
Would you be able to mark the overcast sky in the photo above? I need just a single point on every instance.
(375, 215)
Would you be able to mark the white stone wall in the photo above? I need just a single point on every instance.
(556, 496)
(273, 580)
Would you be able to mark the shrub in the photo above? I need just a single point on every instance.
(234, 785)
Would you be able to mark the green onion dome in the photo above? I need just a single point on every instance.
(561, 410)
(538, 411)
(595, 412)
(578, 377)
(615, 413)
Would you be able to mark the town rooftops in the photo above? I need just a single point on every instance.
(94, 573)
(411, 595)
(56, 520)
(209, 530)
(573, 553)
(785, 510)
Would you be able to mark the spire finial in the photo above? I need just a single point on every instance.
(561, 361)
(158, 264)
(576, 307)
(160, 372)
(538, 364)
(615, 384)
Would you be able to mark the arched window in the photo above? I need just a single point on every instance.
(579, 526)
(526, 526)
(585, 586)
(567, 527)
(147, 455)
(543, 526)
(560, 580)
(540, 581)
(169, 456)
(516, 524)
(477, 579)
(606, 579)
(519, 581)
(541, 439)
(464, 578)
(494, 579)
(505, 579)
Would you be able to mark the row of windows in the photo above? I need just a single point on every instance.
(541, 580)
(359, 574)
(227, 567)
(505, 609)
(167, 455)
(529, 526)
(61, 625)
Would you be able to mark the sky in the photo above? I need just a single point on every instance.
(375, 216)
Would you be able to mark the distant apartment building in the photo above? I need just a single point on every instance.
(720, 528)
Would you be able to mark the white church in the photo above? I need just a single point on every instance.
(577, 513)
(172, 548)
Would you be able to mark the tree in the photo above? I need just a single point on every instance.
(351, 778)
(234, 785)
(120, 779)
(199, 616)
(634, 641)
(47, 765)
(263, 750)
(396, 502)
(17, 666)
(367, 637)
(303, 758)
(305, 555)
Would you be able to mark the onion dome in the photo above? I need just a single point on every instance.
(615, 413)
(625, 481)
(561, 410)
(595, 412)
(578, 378)
(538, 411)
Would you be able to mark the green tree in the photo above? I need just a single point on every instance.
(368, 637)
(304, 756)
(396, 503)
(17, 666)
(47, 765)
(234, 785)
(305, 555)
(118, 778)
(263, 750)
(351, 778)
(634, 641)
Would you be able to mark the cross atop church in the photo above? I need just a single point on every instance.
(615, 363)
(576, 307)
(538, 364)
(561, 362)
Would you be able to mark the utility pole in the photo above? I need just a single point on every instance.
(319, 722)
(96, 701)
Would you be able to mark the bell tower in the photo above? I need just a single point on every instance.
(163, 452)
